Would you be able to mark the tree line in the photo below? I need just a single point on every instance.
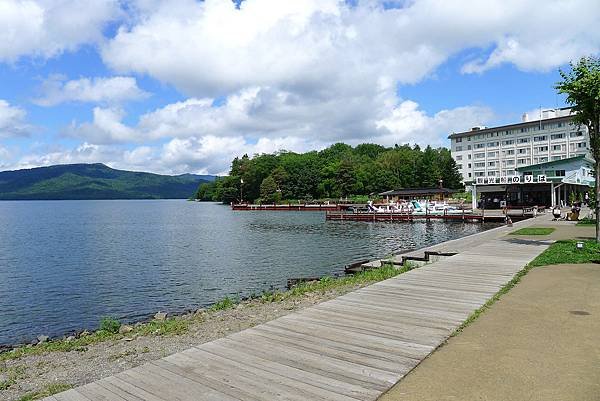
(339, 171)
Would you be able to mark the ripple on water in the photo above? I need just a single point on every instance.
(66, 264)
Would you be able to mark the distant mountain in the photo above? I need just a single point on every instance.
(94, 181)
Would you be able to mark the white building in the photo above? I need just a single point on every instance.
(499, 151)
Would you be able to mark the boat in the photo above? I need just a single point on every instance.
(418, 208)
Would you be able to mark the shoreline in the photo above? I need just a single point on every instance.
(30, 370)
(4, 348)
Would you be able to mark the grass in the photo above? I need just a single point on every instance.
(586, 221)
(109, 327)
(12, 375)
(225, 303)
(48, 391)
(566, 251)
(533, 231)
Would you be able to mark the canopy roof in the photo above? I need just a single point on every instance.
(419, 192)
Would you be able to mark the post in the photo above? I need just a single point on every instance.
(473, 197)
(552, 195)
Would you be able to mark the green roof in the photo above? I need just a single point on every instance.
(554, 163)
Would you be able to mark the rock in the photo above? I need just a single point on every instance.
(124, 329)
(70, 338)
(84, 333)
(200, 311)
(160, 316)
(42, 339)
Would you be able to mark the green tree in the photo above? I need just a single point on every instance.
(205, 192)
(269, 190)
(582, 86)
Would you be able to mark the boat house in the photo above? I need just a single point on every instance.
(437, 194)
(543, 184)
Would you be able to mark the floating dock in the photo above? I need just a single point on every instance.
(304, 207)
(468, 216)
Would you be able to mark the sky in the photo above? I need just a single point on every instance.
(184, 86)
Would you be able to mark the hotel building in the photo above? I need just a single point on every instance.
(499, 151)
(543, 161)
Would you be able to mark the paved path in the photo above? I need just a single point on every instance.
(354, 347)
(540, 341)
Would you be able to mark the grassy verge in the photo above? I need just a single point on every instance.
(109, 328)
(47, 392)
(586, 221)
(533, 231)
(560, 252)
(566, 251)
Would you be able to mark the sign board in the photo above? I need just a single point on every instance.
(511, 179)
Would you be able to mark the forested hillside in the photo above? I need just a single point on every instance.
(94, 181)
(338, 171)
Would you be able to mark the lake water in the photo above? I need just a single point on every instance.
(66, 264)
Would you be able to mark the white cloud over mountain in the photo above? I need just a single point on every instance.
(12, 121)
(294, 75)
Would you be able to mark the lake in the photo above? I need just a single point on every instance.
(66, 264)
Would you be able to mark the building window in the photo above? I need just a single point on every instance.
(557, 136)
(492, 144)
(468, 147)
(523, 140)
(479, 173)
(492, 154)
(559, 173)
(458, 140)
(469, 175)
(479, 155)
(479, 145)
(576, 134)
(508, 142)
(458, 158)
(540, 138)
(510, 162)
(558, 148)
(480, 165)
(458, 148)
(523, 151)
(469, 165)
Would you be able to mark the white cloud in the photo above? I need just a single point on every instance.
(45, 28)
(12, 121)
(106, 128)
(201, 137)
(322, 46)
(56, 89)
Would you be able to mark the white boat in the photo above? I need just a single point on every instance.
(418, 208)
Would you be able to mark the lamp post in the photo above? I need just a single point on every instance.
(241, 190)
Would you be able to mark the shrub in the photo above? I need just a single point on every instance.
(110, 325)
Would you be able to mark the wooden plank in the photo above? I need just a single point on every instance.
(302, 376)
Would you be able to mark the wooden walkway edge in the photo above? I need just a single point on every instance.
(354, 347)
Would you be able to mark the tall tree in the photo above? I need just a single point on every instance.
(582, 86)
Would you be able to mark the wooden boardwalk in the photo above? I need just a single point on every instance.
(354, 347)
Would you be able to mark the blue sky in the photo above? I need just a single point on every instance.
(185, 86)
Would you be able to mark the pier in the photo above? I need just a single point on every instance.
(354, 347)
(498, 216)
(291, 207)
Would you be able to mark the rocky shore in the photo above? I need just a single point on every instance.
(35, 374)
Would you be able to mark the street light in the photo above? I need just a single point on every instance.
(241, 190)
